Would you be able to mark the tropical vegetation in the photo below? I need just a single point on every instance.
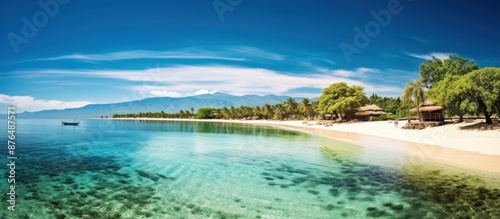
(459, 85)
(342, 100)
(413, 94)
(456, 83)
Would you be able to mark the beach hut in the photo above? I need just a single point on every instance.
(365, 113)
(430, 112)
(329, 116)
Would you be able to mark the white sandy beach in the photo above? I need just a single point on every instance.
(485, 142)
(467, 148)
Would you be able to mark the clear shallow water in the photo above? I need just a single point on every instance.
(133, 169)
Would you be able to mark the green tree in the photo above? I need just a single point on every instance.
(290, 106)
(205, 113)
(453, 95)
(392, 105)
(435, 70)
(341, 99)
(225, 112)
(375, 99)
(414, 94)
(315, 106)
(306, 108)
(245, 112)
(279, 111)
(233, 113)
(483, 86)
(267, 111)
(217, 113)
(387, 104)
(257, 111)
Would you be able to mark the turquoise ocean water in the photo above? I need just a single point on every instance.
(139, 169)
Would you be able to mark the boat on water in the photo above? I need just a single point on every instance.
(70, 123)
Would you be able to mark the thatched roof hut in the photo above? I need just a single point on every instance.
(370, 110)
(430, 111)
(366, 112)
(427, 106)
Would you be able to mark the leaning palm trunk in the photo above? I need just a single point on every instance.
(419, 114)
(409, 114)
(414, 91)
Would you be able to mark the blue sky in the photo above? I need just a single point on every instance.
(69, 53)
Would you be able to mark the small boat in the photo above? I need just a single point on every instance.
(70, 123)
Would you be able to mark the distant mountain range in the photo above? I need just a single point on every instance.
(157, 104)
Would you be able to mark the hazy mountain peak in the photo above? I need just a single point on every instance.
(157, 104)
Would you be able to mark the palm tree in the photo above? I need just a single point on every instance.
(233, 112)
(414, 93)
(217, 113)
(257, 112)
(245, 112)
(225, 112)
(267, 111)
(279, 111)
(290, 106)
(306, 108)
(315, 109)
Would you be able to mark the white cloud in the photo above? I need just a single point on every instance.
(438, 55)
(359, 72)
(203, 91)
(190, 80)
(164, 93)
(241, 53)
(144, 54)
(310, 60)
(255, 52)
(30, 104)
